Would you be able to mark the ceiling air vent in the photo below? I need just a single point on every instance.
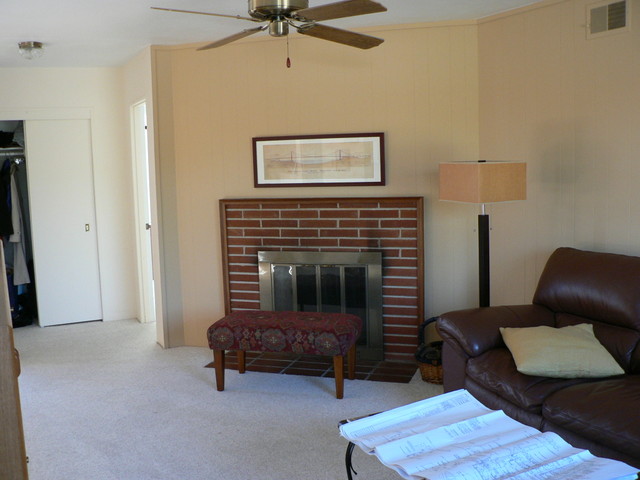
(605, 17)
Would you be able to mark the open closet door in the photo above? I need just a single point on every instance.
(62, 204)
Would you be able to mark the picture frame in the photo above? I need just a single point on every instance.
(346, 159)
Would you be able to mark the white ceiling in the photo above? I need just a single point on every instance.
(96, 33)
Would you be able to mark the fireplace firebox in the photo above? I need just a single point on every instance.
(343, 282)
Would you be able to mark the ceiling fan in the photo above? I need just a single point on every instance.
(280, 14)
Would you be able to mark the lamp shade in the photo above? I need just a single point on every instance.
(483, 181)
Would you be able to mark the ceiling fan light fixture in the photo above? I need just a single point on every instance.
(278, 28)
(30, 50)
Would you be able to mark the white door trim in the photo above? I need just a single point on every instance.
(139, 148)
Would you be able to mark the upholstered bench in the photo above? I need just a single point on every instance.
(313, 333)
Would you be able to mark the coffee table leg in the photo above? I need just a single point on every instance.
(347, 460)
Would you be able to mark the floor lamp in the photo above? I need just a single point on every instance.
(483, 182)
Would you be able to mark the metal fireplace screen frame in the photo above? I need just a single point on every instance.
(343, 282)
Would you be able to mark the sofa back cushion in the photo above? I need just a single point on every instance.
(598, 288)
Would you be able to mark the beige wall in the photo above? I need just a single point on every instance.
(526, 85)
(419, 87)
(569, 107)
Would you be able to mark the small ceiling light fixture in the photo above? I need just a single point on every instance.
(31, 50)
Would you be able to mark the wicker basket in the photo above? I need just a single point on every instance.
(429, 356)
(431, 373)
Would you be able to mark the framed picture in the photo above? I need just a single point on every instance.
(319, 160)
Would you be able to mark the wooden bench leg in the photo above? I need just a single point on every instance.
(241, 360)
(218, 363)
(338, 370)
(351, 362)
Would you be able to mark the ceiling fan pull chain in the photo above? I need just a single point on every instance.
(288, 59)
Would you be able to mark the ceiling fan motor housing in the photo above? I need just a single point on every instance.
(267, 9)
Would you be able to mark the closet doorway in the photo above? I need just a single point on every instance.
(15, 228)
(56, 186)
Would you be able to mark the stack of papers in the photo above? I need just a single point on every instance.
(454, 437)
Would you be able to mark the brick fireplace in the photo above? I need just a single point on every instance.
(391, 226)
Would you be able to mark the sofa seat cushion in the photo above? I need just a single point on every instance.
(497, 372)
(604, 412)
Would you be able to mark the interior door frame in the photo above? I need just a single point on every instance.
(162, 333)
(141, 180)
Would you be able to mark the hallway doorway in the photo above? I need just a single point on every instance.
(143, 212)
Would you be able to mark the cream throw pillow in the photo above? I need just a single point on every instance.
(567, 352)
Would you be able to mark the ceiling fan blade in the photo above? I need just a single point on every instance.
(239, 17)
(347, 8)
(338, 35)
(233, 38)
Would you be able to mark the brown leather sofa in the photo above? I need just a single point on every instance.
(598, 414)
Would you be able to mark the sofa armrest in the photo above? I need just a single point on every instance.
(474, 331)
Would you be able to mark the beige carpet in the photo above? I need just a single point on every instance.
(101, 401)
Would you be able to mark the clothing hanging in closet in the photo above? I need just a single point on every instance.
(11, 223)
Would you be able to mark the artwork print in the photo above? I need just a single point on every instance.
(341, 159)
